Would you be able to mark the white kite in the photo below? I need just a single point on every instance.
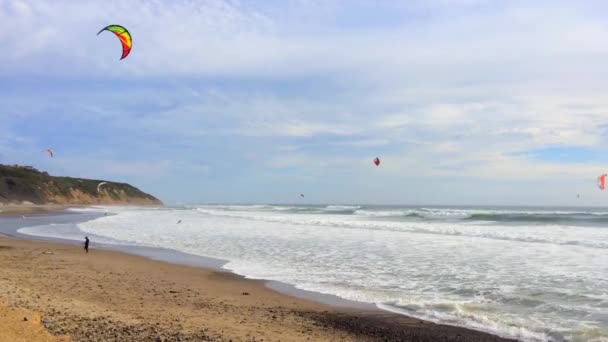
(100, 184)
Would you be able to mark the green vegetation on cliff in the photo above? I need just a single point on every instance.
(23, 184)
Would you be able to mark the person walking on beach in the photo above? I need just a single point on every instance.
(86, 244)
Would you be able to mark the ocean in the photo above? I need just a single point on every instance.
(535, 274)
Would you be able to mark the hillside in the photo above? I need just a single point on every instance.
(25, 184)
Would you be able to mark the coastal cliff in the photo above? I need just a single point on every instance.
(24, 184)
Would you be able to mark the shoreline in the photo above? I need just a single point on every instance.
(182, 258)
(11, 210)
(331, 317)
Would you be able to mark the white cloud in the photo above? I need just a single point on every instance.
(365, 142)
(298, 128)
(448, 88)
(231, 39)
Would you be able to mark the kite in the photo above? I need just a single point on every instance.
(377, 161)
(123, 35)
(100, 184)
(49, 152)
(601, 181)
(301, 195)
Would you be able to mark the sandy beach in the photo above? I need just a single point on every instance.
(114, 296)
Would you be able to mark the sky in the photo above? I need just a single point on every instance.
(225, 101)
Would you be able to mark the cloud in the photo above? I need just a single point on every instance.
(364, 142)
(307, 129)
(232, 39)
(461, 90)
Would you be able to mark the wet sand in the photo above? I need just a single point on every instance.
(7, 210)
(114, 296)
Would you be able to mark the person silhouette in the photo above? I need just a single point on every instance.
(86, 244)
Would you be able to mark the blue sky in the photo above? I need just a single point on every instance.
(466, 102)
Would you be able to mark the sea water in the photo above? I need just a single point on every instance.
(535, 274)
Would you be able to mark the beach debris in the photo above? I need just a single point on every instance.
(25, 319)
(100, 185)
(123, 35)
(601, 181)
(377, 161)
(245, 293)
(49, 151)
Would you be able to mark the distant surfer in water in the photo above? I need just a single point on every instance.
(86, 244)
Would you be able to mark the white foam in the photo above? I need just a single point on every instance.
(535, 283)
(87, 209)
(549, 234)
(342, 207)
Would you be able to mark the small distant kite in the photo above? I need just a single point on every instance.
(377, 161)
(180, 221)
(301, 195)
(601, 181)
(49, 151)
(100, 185)
(123, 35)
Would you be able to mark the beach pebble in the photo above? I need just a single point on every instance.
(245, 293)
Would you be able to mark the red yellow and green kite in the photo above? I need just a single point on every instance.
(123, 35)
